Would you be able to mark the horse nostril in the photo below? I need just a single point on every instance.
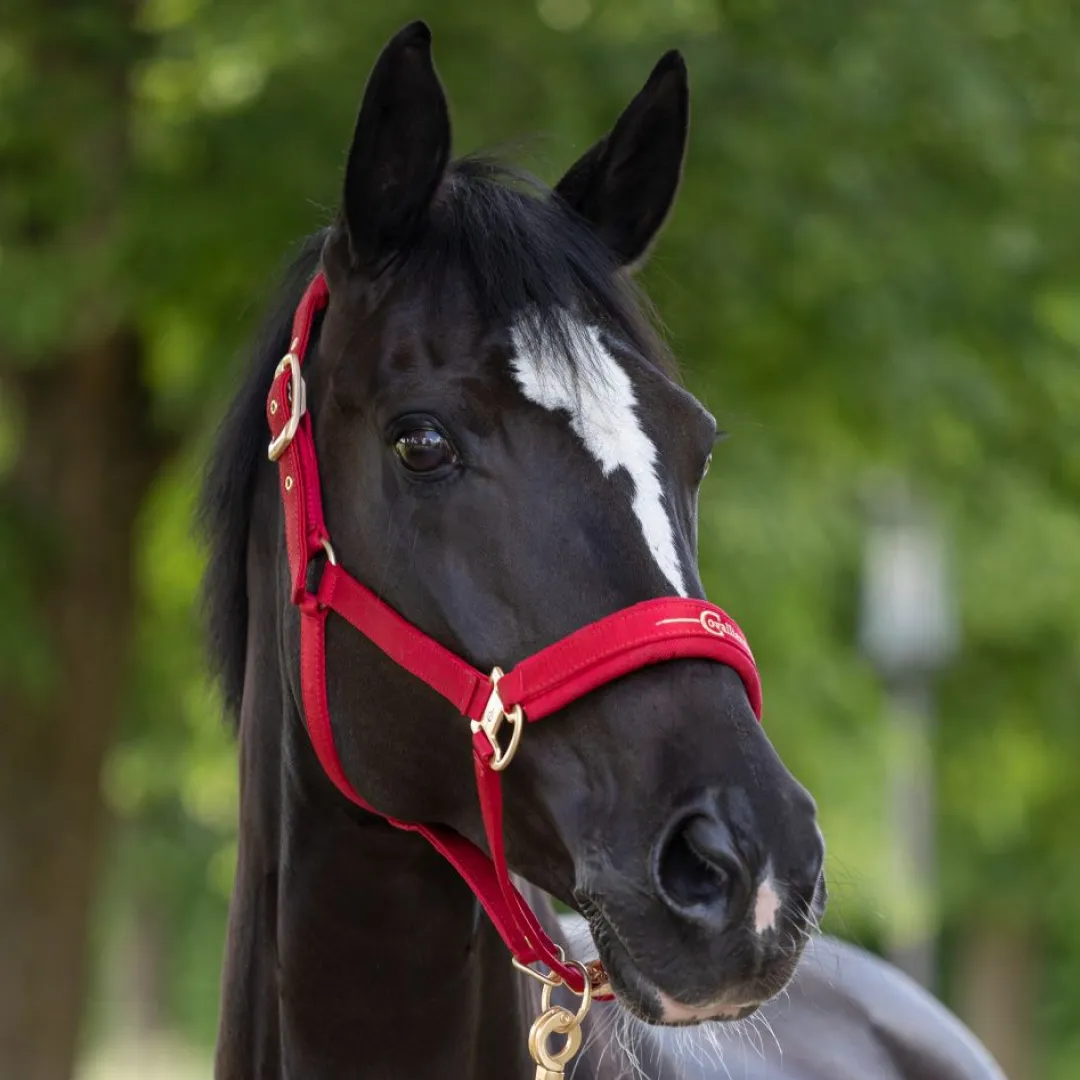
(698, 872)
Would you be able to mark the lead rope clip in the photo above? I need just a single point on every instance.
(555, 1020)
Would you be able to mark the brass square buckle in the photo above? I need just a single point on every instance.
(297, 395)
(491, 723)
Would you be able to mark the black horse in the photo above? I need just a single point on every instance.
(505, 456)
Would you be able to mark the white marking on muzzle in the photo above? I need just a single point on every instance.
(674, 1012)
(603, 413)
(766, 906)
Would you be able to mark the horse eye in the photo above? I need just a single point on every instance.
(705, 471)
(424, 450)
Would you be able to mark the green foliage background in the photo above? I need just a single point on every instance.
(873, 270)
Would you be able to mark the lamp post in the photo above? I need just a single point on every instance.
(908, 632)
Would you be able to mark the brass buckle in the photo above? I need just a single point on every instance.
(297, 393)
(492, 721)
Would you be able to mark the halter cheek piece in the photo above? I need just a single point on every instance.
(497, 705)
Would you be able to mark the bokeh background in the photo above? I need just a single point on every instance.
(872, 278)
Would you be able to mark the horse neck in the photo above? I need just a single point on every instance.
(353, 949)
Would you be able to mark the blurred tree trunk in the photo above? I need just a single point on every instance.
(998, 985)
(85, 467)
(86, 456)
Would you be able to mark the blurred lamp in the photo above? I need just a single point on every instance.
(908, 625)
(908, 631)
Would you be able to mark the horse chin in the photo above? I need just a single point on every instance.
(635, 992)
(675, 1014)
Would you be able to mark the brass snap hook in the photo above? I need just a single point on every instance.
(555, 1020)
(550, 1065)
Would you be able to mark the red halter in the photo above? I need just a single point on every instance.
(646, 633)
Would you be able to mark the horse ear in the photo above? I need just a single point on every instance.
(625, 185)
(399, 151)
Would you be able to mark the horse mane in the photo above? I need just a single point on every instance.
(224, 514)
(523, 255)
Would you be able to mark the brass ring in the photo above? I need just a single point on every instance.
(586, 993)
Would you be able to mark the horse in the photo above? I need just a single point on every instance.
(488, 432)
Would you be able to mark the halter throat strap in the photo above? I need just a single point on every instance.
(497, 706)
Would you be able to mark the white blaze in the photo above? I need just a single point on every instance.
(602, 409)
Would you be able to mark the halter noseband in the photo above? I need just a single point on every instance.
(497, 705)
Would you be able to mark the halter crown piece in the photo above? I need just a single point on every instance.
(497, 705)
